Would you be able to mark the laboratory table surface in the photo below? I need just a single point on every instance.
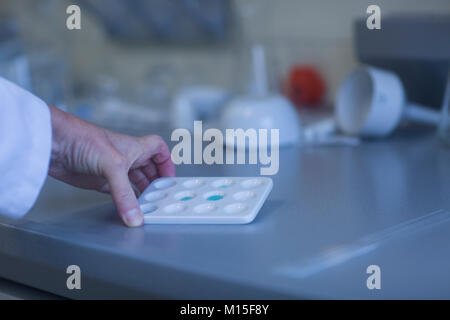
(333, 212)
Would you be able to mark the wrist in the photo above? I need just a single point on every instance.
(60, 124)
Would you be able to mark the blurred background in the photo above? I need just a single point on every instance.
(132, 59)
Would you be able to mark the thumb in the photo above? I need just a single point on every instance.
(124, 197)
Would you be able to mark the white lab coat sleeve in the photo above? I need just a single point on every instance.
(25, 146)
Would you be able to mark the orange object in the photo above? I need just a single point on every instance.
(304, 86)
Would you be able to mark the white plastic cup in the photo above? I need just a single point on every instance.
(371, 102)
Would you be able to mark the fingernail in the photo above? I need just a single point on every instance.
(133, 218)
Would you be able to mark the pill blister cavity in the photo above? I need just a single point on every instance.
(185, 196)
(222, 183)
(148, 208)
(251, 183)
(214, 195)
(193, 184)
(175, 208)
(235, 208)
(155, 196)
(205, 208)
(244, 195)
(164, 183)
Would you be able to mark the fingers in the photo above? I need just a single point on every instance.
(158, 164)
(150, 171)
(160, 156)
(164, 163)
(123, 194)
(139, 179)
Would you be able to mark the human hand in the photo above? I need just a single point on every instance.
(90, 157)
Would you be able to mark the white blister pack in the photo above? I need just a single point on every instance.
(204, 200)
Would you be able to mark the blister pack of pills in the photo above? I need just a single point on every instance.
(204, 200)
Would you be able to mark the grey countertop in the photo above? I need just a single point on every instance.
(333, 211)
